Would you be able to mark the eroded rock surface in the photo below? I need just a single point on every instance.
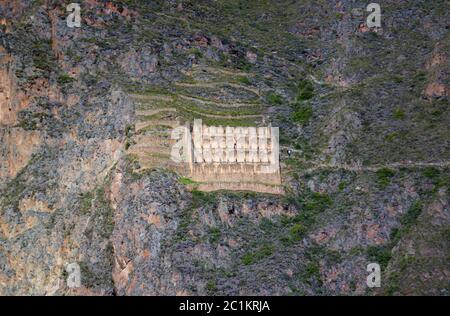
(85, 114)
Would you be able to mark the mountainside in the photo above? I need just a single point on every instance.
(85, 121)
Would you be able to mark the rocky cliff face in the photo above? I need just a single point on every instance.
(83, 112)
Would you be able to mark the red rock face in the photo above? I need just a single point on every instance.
(17, 147)
(436, 89)
(12, 99)
(8, 98)
(13, 8)
(437, 66)
(363, 28)
(200, 40)
(110, 8)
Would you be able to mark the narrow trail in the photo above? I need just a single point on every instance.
(155, 111)
(219, 104)
(224, 116)
(218, 84)
(140, 97)
(230, 117)
(214, 70)
(153, 97)
(394, 165)
(175, 18)
(141, 125)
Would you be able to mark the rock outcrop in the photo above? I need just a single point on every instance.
(86, 116)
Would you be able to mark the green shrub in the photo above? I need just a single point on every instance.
(244, 80)
(86, 202)
(384, 176)
(410, 218)
(421, 76)
(397, 79)
(211, 286)
(305, 90)
(379, 254)
(186, 181)
(267, 225)
(312, 269)
(361, 64)
(341, 186)
(200, 198)
(431, 173)
(311, 204)
(248, 259)
(65, 79)
(318, 202)
(197, 52)
(297, 231)
(393, 286)
(263, 252)
(334, 257)
(274, 98)
(302, 110)
(395, 235)
(42, 59)
(214, 235)
(303, 114)
(439, 179)
(391, 137)
(399, 114)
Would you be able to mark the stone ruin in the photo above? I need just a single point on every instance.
(229, 158)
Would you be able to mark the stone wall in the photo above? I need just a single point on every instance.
(234, 158)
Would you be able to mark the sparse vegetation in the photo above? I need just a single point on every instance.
(438, 178)
(297, 232)
(186, 181)
(305, 90)
(274, 98)
(42, 58)
(86, 202)
(261, 253)
(244, 80)
(267, 225)
(214, 235)
(211, 286)
(407, 221)
(380, 255)
(65, 79)
(303, 111)
(384, 176)
(200, 198)
(399, 114)
(196, 52)
(346, 102)
(303, 114)
(391, 137)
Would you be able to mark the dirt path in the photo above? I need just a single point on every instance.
(155, 111)
(219, 104)
(218, 84)
(394, 165)
(214, 70)
(142, 125)
(231, 117)
(175, 18)
(155, 97)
